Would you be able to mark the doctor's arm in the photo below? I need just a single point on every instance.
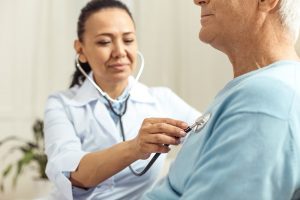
(96, 167)
(88, 169)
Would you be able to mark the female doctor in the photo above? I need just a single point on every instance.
(98, 134)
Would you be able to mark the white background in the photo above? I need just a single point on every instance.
(37, 58)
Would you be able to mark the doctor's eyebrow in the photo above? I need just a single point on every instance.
(112, 34)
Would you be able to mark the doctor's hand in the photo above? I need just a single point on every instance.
(154, 133)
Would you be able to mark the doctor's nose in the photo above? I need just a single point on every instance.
(119, 51)
(201, 2)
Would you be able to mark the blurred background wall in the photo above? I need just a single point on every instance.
(37, 58)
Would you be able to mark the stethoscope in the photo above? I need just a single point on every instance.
(198, 124)
(124, 100)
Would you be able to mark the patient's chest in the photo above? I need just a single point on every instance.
(185, 164)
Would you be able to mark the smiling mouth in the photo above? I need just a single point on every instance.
(205, 18)
(119, 66)
(206, 15)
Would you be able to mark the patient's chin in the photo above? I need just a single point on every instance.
(206, 37)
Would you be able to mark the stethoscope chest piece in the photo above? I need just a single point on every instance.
(201, 122)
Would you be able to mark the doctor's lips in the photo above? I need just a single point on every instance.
(118, 65)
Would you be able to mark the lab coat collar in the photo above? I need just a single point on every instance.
(140, 93)
(87, 93)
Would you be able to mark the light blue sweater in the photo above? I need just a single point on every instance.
(250, 147)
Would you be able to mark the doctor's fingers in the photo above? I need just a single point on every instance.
(173, 122)
(144, 145)
(154, 148)
(162, 128)
(162, 139)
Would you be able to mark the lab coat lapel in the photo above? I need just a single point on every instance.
(106, 122)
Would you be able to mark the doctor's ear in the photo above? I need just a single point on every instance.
(267, 5)
(79, 51)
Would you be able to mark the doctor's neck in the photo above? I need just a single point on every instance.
(113, 89)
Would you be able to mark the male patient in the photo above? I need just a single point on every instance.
(250, 147)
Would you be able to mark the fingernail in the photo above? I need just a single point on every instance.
(184, 124)
(182, 133)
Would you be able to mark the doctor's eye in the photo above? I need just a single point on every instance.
(103, 42)
(129, 40)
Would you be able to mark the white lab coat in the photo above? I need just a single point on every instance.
(77, 122)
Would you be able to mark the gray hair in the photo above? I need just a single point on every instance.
(290, 16)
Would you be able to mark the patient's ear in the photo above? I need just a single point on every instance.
(79, 50)
(268, 5)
